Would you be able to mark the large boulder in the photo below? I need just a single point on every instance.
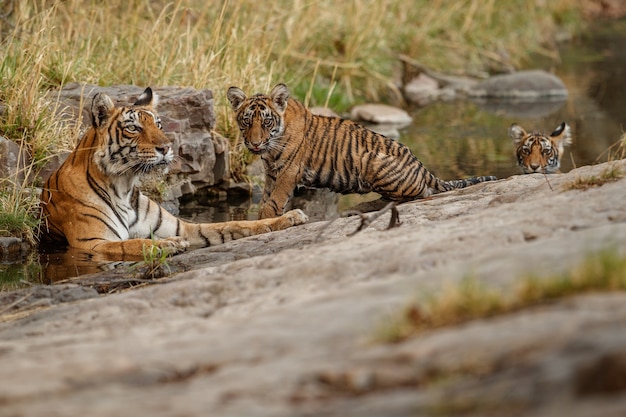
(521, 85)
(188, 119)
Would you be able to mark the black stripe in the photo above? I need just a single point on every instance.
(105, 223)
(159, 219)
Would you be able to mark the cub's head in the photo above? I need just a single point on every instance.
(260, 117)
(537, 152)
(129, 139)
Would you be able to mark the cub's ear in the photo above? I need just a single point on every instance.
(236, 96)
(516, 133)
(101, 109)
(280, 95)
(562, 134)
(148, 98)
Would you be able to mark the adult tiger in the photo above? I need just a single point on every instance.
(538, 152)
(93, 203)
(298, 147)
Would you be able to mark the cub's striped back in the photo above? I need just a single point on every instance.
(298, 147)
(539, 152)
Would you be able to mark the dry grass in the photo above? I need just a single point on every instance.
(328, 52)
(470, 299)
(611, 173)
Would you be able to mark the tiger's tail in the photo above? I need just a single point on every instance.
(439, 185)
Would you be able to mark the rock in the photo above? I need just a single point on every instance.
(380, 114)
(188, 119)
(422, 90)
(13, 248)
(389, 130)
(323, 111)
(13, 161)
(289, 323)
(44, 296)
(422, 86)
(521, 85)
(52, 164)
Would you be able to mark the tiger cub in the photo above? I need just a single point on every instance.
(299, 148)
(537, 152)
(92, 202)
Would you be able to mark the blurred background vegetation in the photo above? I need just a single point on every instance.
(328, 52)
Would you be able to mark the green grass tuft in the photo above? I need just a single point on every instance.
(469, 299)
(610, 174)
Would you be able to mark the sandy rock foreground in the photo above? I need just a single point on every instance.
(285, 324)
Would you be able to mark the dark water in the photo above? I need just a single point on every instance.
(453, 139)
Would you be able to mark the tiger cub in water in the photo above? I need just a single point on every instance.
(538, 152)
(300, 148)
(92, 202)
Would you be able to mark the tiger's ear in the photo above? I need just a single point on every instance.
(148, 98)
(562, 134)
(516, 133)
(236, 96)
(280, 96)
(101, 109)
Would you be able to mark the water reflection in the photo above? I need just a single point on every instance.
(62, 263)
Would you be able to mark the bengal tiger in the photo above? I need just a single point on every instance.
(538, 152)
(92, 202)
(300, 148)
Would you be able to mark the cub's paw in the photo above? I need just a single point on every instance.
(296, 217)
(173, 245)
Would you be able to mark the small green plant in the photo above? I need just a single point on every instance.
(469, 299)
(611, 173)
(155, 261)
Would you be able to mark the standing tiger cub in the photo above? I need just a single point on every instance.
(298, 147)
(92, 202)
(538, 152)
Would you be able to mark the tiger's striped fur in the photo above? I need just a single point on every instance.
(300, 148)
(538, 152)
(93, 203)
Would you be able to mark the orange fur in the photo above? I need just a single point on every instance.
(92, 201)
(298, 147)
(538, 152)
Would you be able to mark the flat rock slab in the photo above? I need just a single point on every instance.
(521, 85)
(380, 114)
(285, 324)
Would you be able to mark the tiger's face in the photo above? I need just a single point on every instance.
(537, 152)
(260, 117)
(131, 138)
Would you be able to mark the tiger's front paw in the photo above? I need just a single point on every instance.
(296, 217)
(173, 245)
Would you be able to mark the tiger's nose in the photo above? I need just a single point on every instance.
(163, 150)
(534, 167)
